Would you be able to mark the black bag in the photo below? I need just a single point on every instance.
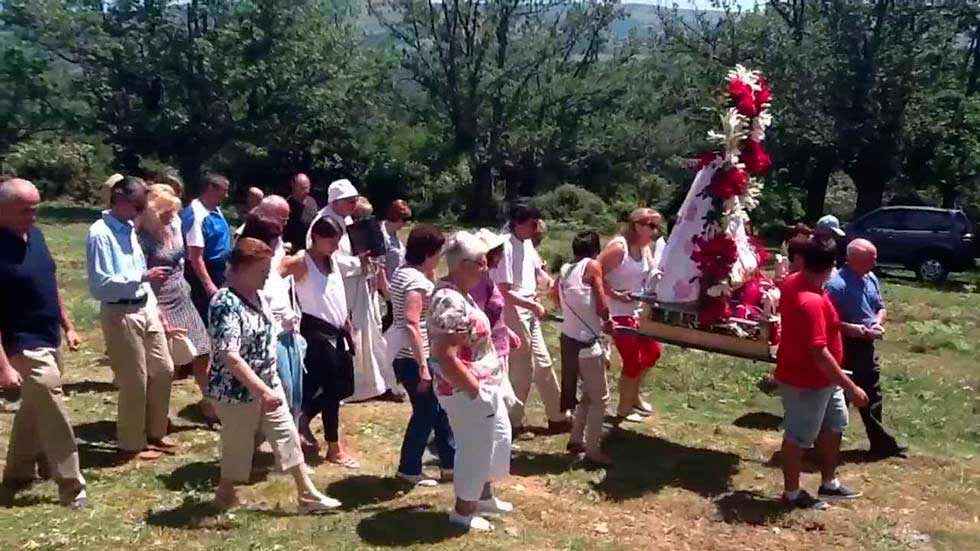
(366, 235)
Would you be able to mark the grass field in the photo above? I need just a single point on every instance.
(703, 473)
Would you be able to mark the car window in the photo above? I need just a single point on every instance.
(962, 223)
(927, 220)
(886, 219)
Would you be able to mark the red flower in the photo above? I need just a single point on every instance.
(743, 97)
(728, 182)
(764, 95)
(714, 258)
(759, 247)
(713, 310)
(755, 158)
(706, 159)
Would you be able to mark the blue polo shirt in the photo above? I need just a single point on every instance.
(30, 316)
(857, 299)
(208, 230)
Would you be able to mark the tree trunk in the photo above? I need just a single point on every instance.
(816, 187)
(870, 184)
(481, 208)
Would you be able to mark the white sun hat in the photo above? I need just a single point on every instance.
(341, 189)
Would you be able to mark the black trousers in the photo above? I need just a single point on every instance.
(329, 374)
(569, 371)
(860, 358)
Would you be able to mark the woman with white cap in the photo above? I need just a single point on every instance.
(468, 378)
(373, 375)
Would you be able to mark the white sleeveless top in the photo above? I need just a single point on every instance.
(581, 322)
(630, 276)
(322, 295)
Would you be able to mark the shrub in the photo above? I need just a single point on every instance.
(67, 168)
(439, 198)
(577, 207)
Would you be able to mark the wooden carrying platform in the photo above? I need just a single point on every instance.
(690, 337)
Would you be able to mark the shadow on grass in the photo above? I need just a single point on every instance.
(192, 413)
(811, 460)
(64, 214)
(407, 526)
(199, 476)
(192, 514)
(758, 420)
(744, 507)
(528, 463)
(97, 445)
(82, 387)
(645, 464)
(363, 490)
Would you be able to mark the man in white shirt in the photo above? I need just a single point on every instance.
(516, 276)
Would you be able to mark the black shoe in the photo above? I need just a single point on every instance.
(805, 501)
(841, 493)
(890, 451)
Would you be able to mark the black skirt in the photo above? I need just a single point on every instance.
(329, 363)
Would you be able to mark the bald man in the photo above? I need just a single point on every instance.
(302, 210)
(856, 293)
(32, 316)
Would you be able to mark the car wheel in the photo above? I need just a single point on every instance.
(932, 269)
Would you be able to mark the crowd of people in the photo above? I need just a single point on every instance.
(280, 321)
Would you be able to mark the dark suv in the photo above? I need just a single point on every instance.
(929, 241)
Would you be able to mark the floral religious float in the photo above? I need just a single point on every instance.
(712, 293)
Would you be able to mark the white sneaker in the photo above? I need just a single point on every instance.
(316, 504)
(495, 505)
(76, 499)
(473, 522)
(417, 479)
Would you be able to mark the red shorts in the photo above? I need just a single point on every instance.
(638, 353)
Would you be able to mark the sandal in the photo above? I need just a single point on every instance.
(345, 461)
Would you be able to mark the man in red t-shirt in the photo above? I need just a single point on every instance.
(811, 381)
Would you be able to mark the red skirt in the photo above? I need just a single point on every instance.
(638, 353)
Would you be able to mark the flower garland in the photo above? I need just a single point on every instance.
(739, 164)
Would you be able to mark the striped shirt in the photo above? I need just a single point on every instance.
(408, 278)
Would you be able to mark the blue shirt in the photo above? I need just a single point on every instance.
(857, 299)
(30, 315)
(116, 264)
(208, 230)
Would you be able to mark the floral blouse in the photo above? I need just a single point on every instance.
(452, 313)
(237, 326)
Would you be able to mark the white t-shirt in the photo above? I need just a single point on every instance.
(195, 233)
(278, 291)
(518, 266)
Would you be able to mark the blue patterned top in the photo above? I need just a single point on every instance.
(237, 326)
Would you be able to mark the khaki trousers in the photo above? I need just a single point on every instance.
(241, 422)
(140, 359)
(41, 426)
(531, 363)
(591, 410)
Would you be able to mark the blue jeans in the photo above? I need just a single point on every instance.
(427, 415)
(290, 351)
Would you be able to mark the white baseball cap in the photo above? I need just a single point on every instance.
(830, 224)
(341, 189)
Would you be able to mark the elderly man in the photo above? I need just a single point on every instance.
(291, 347)
(517, 277)
(32, 316)
(811, 381)
(208, 239)
(134, 332)
(302, 210)
(856, 293)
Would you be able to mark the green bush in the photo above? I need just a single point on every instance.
(67, 168)
(576, 206)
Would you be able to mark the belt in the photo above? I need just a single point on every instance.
(129, 302)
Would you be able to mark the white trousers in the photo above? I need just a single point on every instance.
(481, 429)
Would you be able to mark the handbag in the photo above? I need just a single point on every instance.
(182, 350)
